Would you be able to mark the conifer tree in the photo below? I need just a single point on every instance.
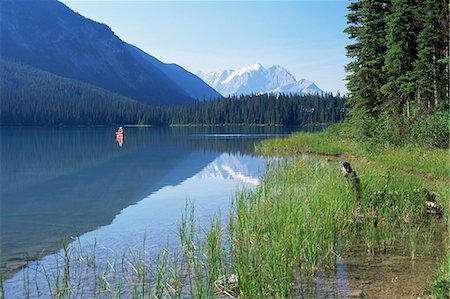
(431, 67)
(354, 19)
(367, 21)
(373, 38)
(399, 69)
(399, 62)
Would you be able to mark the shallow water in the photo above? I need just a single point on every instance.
(386, 275)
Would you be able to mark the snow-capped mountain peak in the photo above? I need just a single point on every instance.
(257, 79)
(239, 73)
(252, 68)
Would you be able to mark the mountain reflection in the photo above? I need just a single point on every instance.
(228, 166)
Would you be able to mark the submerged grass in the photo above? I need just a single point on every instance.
(295, 222)
(286, 226)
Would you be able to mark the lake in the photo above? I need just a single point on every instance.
(111, 199)
(69, 182)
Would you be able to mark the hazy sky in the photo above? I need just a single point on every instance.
(303, 36)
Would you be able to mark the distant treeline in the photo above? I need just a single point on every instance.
(259, 109)
(34, 97)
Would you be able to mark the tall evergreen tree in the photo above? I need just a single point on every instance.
(431, 67)
(373, 37)
(354, 19)
(402, 31)
(367, 19)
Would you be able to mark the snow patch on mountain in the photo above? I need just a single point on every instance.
(259, 80)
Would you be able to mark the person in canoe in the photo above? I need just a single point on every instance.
(120, 136)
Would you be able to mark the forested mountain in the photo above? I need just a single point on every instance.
(30, 96)
(33, 97)
(399, 73)
(50, 36)
(257, 79)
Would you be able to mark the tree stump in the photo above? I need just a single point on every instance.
(354, 182)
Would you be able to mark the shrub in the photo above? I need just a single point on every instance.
(431, 131)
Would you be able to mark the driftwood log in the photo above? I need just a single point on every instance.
(354, 182)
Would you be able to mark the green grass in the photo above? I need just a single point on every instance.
(427, 162)
(430, 163)
(289, 224)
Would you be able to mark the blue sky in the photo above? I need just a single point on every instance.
(303, 36)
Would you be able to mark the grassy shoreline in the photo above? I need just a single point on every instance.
(412, 167)
(427, 162)
(298, 221)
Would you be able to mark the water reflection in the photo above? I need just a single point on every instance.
(60, 182)
(157, 216)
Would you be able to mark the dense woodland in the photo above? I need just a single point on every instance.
(399, 74)
(260, 109)
(35, 97)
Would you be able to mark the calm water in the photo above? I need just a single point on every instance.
(59, 182)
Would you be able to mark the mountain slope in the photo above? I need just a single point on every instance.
(193, 85)
(257, 79)
(30, 96)
(50, 36)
